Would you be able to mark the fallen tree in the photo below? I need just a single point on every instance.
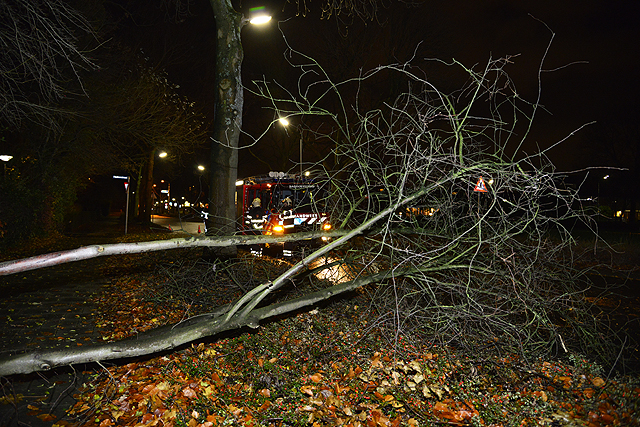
(462, 234)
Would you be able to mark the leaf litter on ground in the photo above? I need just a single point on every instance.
(329, 366)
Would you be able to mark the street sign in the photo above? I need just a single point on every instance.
(480, 186)
(126, 190)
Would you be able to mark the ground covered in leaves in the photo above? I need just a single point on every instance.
(329, 366)
(334, 365)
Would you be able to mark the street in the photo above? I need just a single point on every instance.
(191, 227)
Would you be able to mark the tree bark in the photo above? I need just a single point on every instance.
(227, 121)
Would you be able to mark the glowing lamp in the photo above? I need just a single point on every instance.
(258, 16)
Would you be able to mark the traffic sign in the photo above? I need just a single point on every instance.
(481, 186)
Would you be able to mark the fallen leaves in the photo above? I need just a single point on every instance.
(287, 373)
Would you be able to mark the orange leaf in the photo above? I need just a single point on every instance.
(264, 406)
(105, 423)
(145, 418)
(261, 362)
(351, 373)
(375, 360)
(307, 389)
(215, 378)
(316, 378)
(265, 392)
(597, 381)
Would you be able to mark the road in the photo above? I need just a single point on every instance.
(191, 226)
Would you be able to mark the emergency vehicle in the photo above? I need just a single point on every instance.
(287, 204)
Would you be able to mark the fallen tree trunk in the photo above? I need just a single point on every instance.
(172, 336)
(241, 313)
(94, 251)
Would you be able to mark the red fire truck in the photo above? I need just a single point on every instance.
(281, 203)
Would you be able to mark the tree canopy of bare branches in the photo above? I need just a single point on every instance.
(39, 54)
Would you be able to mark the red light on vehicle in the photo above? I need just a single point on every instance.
(278, 229)
(326, 226)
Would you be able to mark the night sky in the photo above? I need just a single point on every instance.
(590, 72)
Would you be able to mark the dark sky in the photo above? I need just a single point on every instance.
(590, 72)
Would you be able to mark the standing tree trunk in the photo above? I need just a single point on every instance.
(227, 121)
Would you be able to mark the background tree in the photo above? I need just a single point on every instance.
(136, 111)
(65, 120)
(40, 53)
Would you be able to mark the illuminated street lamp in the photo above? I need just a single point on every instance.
(200, 168)
(283, 121)
(5, 158)
(258, 16)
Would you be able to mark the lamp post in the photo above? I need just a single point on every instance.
(5, 158)
(598, 197)
(284, 122)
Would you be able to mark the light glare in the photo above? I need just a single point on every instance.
(260, 19)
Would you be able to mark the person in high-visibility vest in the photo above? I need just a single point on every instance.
(255, 218)
(256, 214)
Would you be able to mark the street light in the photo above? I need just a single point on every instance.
(604, 178)
(258, 16)
(200, 168)
(285, 123)
(5, 158)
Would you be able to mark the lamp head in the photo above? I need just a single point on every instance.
(258, 15)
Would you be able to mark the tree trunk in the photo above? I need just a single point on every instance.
(227, 121)
(94, 251)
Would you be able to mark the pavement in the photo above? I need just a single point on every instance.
(191, 226)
